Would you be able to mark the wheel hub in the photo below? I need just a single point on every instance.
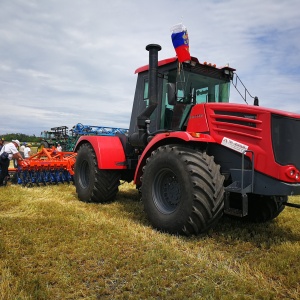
(166, 191)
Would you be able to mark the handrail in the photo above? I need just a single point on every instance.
(235, 80)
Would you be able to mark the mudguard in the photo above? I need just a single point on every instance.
(109, 151)
(174, 137)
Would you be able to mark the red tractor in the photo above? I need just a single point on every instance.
(193, 155)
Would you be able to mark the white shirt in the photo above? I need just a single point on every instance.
(9, 148)
(27, 152)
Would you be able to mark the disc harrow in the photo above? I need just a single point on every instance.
(45, 167)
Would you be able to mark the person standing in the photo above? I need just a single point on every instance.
(27, 151)
(1, 143)
(8, 152)
(22, 148)
(58, 148)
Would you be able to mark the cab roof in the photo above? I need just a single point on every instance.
(173, 59)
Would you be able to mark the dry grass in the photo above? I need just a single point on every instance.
(53, 246)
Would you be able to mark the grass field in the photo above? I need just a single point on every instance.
(53, 246)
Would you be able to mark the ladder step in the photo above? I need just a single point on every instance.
(236, 209)
(236, 187)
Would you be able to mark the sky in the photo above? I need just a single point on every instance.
(64, 62)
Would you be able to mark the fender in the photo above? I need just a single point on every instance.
(108, 149)
(168, 138)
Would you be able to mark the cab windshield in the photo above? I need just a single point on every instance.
(189, 89)
(198, 88)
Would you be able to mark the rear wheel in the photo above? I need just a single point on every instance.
(264, 208)
(43, 144)
(92, 184)
(182, 190)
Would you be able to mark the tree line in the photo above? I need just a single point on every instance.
(20, 137)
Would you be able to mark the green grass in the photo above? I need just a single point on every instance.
(53, 246)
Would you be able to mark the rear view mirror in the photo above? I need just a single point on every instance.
(171, 93)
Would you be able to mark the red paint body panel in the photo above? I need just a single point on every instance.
(160, 63)
(109, 151)
(258, 138)
(171, 60)
(166, 138)
(197, 120)
(216, 121)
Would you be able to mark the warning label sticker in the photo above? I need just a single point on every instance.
(234, 145)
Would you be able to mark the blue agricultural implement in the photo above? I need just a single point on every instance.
(68, 138)
(45, 167)
(80, 129)
(49, 166)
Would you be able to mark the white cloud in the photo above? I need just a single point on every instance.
(64, 62)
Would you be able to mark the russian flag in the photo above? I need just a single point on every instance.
(180, 40)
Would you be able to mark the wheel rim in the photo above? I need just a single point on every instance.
(84, 179)
(166, 191)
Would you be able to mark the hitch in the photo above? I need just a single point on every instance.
(292, 205)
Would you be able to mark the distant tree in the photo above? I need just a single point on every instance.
(21, 137)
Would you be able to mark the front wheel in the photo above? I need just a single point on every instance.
(92, 184)
(182, 190)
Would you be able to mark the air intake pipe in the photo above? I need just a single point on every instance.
(153, 72)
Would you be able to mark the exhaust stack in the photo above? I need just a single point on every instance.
(153, 72)
(139, 138)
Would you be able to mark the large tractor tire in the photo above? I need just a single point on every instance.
(264, 208)
(92, 184)
(44, 144)
(182, 190)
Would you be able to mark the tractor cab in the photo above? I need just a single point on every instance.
(187, 87)
(166, 92)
